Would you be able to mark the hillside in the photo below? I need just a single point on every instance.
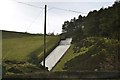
(96, 45)
(23, 52)
(13, 34)
(95, 54)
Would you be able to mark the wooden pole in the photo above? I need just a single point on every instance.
(44, 37)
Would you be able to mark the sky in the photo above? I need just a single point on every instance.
(15, 16)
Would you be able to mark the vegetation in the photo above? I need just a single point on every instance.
(101, 54)
(104, 22)
(68, 56)
(95, 41)
(95, 47)
(22, 53)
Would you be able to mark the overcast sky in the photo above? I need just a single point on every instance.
(19, 17)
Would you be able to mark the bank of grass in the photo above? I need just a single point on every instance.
(22, 52)
(94, 54)
(70, 54)
(18, 49)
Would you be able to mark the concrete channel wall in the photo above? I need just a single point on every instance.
(52, 59)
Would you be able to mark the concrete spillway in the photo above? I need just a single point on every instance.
(52, 59)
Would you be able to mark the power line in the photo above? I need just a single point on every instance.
(33, 22)
(50, 8)
(29, 4)
(66, 10)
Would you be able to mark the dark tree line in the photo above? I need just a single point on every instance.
(104, 23)
(96, 36)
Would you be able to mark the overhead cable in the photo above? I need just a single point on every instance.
(33, 21)
(29, 4)
(66, 10)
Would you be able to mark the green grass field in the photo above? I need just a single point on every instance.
(22, 52)
(19, 48)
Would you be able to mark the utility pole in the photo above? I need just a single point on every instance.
(44, 36)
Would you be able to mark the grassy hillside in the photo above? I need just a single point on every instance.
(19, 48)
(22, 51)
(96, 41)
(11, 34)
(68, 56)
(92, 54)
